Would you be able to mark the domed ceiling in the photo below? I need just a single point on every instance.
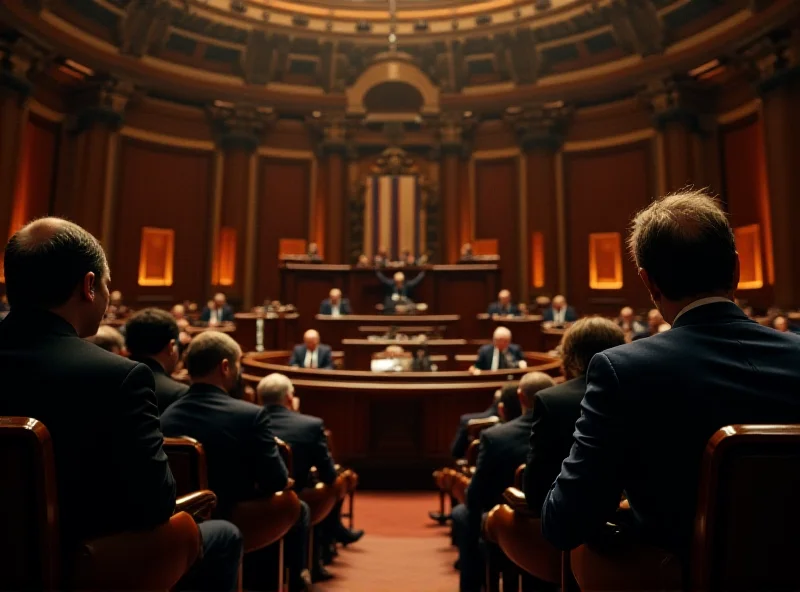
(304, 53)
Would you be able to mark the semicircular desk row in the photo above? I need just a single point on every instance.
(392, 428)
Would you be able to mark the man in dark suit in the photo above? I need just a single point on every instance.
(461, 440)
(559, 312)
(556, 409)
(503, 307)
(651, 405)
(218, 311)
(241, 453)
(398, 290)
(501, 354)
(99, 408)
(152, 336)
(312, 354)
(305, 435)
(502, 449)
(334, 305)
(655, 322)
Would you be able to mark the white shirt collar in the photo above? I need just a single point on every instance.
(699, 303)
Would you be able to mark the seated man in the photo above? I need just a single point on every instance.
(398, 289)
(503, 306)
(116, 307)
(501, 354)
(629, 324)
(153, 341)
(312, 354)
(99, 408)
(241, 454)
(781, 323)
(461, 441)
(559, 312)
(306, 436)
(217, 311)
(334, 305)
(556, 409)
(502, 449)
(651, 405)
(654, 323)
(467, 255)
(312, 253)
(111, 340)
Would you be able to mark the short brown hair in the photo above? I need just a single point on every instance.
(108, 338)
(584, 339)
(685, 244)
(207, 350)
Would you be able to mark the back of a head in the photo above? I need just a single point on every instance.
(109, 339)
(685, 243)
(512, 408)
(47, 260)
(149, 331)
(532, 383)
(274, 389)
(206, 352)
(584, 339)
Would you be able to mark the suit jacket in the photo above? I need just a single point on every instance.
(326, 308)
(324, 357)
(306, 435)
(167, 390)
(461, 441)
(227, 314)
(100, 410)
(486, 354)
(495, 308)
(569, 316)
(241, 453)
(503, 448)
(406, 290)
(648, 412)
(555, 411)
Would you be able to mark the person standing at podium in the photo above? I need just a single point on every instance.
(501, 354)
(312, 354)
(334, 305)
(398, 289)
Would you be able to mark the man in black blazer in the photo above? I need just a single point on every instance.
(398, 289)
(501, 354)
(312, 354)
(502, 449)
(241, 453)
(503, 307)
(152, 337)
(218, 311)
(99, 408)
(556, 409)
(334, 305)
(559, 312)
(651, 405)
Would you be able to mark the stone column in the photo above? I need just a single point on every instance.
(779, 86)
(450, 136)
(334, 151)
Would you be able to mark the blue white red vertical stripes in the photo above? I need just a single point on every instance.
(394, 218)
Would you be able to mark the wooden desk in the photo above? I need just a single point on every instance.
(526, 331)
(277, 331)
(333, 330)
(552, 338)
(464, 290)
(358, 352)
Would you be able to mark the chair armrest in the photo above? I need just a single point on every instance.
(515, 499)
(199, 504)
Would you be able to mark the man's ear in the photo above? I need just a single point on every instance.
(501, 411)
(655, 293)
(521, 398)
(225, 366)
(736, 272)
(89, 287)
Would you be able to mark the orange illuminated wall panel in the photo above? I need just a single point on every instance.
(605, 261)
(537, 259)
(224, 273)
(748, 243)
(156, 256)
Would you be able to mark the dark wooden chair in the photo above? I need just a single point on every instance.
(347, 485)
(29, 538)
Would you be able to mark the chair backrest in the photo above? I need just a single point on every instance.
(476, 426)
(748, 513)
(519, 474)
(187, 460)
(29, 536)
(286, 454)
(471, 456)
(329, 438)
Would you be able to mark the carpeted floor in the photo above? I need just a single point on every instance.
(403, 550)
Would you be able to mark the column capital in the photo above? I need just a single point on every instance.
(540, 127)
(774, 60)
(334, 133)
(18, 60)
(674, 100)
(240, 125)
(454, 131)
(101, 100)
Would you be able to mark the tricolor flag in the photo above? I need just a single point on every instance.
(394, 218)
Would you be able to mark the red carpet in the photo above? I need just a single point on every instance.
(403, 550)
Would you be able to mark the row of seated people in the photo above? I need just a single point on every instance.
(629, 427)
(102, 414)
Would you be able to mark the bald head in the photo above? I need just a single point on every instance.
(54, 264)
(504, 297)
(399, 278)
(311, 339)
(559, 302)
(781, 324)
(220, 299)
(532, 383)
(335, 296)
(501, 338)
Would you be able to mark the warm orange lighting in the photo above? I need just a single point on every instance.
(748, 243)
(537, 259)
(485, 247)
(224, 272)
(605, 261)
(292, 247)
(156, 256)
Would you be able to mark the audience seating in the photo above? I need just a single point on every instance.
(29, 540)
(347, 486)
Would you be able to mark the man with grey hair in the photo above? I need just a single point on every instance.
(503, 307)
(559, 312)
(312, 353)
(503, 448)
(651, 405)
(335, 305)
(501, 354)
